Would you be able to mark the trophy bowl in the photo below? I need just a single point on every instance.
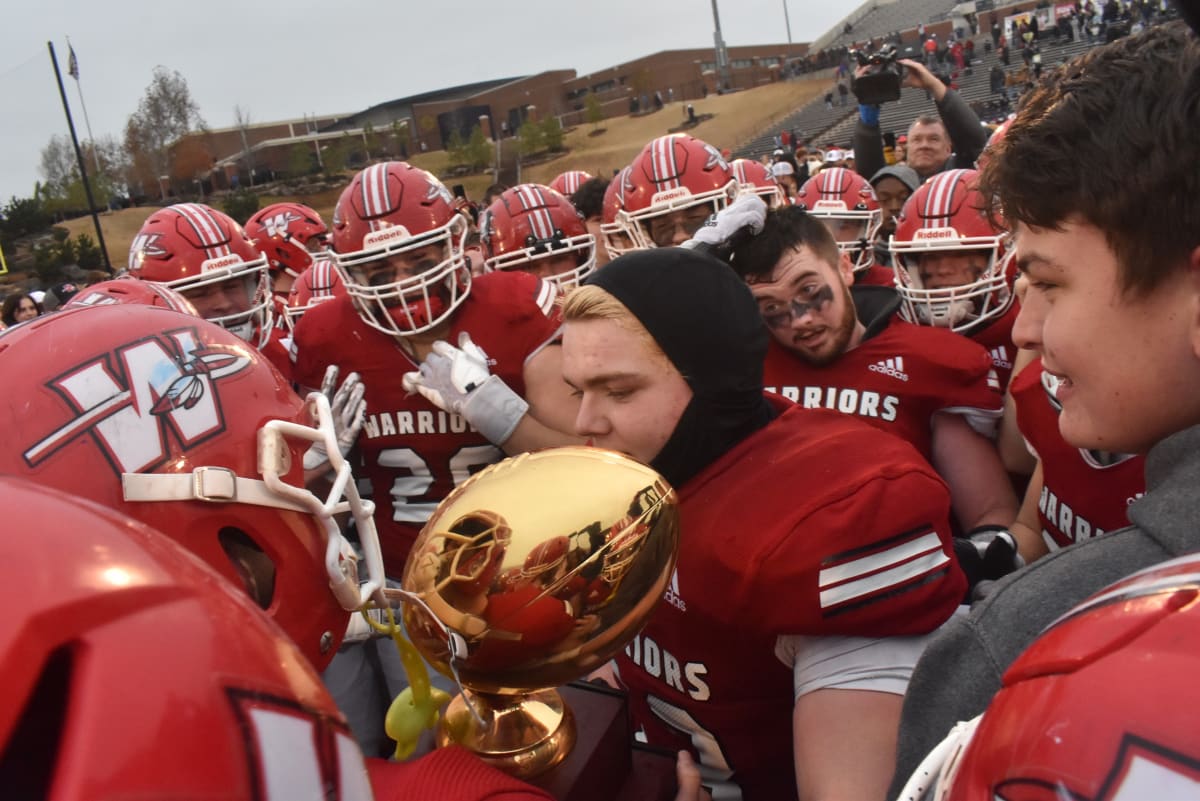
(532, 573)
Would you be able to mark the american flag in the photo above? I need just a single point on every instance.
(72, 64)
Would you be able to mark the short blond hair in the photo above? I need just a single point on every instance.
(593, 303)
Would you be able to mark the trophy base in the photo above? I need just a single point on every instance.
(523, 735)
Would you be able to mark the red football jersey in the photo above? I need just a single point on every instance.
(996, 338)
(896, 380)
(448, 774)
(413, 452)
(277, 351)
(1081, 497)
(792, 531)
(875, 275)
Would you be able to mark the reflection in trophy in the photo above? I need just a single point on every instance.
(538, 570)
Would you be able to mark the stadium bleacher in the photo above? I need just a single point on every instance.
(823, 126)
(888, 18)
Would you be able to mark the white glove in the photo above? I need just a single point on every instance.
(457, 380)
(349, 411)
(745, 212)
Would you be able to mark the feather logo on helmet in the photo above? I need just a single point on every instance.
(138, 399)
(438, 190)
(715, 159)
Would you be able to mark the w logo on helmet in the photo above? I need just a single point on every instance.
(277, 225)
(137, 400)
(145, 245)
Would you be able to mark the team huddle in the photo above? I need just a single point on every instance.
(866, 434)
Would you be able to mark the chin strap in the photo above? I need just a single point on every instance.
(221, 485)
(209, 484)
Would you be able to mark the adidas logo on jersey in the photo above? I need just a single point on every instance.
(1000, 357)
(672, 594)
(893, 367)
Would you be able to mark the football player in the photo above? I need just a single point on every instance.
(535, 229)
(317, 284)
(779, 660)
(1075, 493)
(615, 237)
(952, 265)
(843, 348)
(569, 182)
(114, 635)
(291, 236)
(174, 422)
(207, 257)
(672, 187)
(409, 294)
(756, 178)
(844, 201)
(589, 200)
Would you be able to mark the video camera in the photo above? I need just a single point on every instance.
(881, 82)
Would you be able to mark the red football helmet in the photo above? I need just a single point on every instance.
(845, 202)
(546, 557)
(192, 248)
(615, 234)
(946, 218)
(288, 234)
(534, 228)
(174, 422)
(128, 290)
(754, 177)
(675, 174)
(568, 183)
(1097, 708)
(391, 212)
(317, 284)
(118, 649)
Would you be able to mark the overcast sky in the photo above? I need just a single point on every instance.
(285, 59)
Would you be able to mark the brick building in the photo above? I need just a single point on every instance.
(426, 121)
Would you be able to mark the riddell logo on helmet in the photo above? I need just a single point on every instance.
(667, 195)
(222, 263)
(829, 205)
(388, 236)
(928, 234)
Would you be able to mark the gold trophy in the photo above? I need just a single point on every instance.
(531, 574)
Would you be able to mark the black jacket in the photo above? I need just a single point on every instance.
(967, 138)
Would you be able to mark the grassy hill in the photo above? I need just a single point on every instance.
(735, 118)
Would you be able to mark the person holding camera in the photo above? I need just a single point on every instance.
(953, 139)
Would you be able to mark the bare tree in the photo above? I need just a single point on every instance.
(58, 167)
(165, 114)
(241, 118)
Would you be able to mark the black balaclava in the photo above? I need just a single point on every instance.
(706, 321)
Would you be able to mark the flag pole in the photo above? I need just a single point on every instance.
(73, 71)
(87, 187)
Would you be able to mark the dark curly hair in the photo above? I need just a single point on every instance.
(1112, 139)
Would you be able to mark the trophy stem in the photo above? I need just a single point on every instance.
(524, 735)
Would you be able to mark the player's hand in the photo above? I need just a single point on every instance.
(987, 553)
(458, 380)
(349, 409)
(687, 776)
(743, 218)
